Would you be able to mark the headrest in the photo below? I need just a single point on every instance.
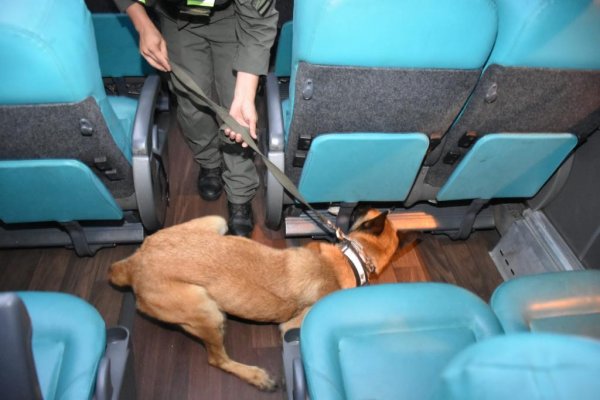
(394, 33)
(48, 52)
(524, 366)
(548, 34)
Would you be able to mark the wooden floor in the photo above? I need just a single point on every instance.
(172, 365)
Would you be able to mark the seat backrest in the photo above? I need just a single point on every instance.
(18, 377)
(439, 341)
(53, 103)
(524, 366)
(68, 341)
(560, 302)
(389, 341)
(117, 42)
(49, 55)
(542, 78)
(382, 67)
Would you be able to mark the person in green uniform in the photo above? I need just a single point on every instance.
(225, 46)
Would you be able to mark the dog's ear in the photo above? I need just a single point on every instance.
(374, 226)
(359, 213)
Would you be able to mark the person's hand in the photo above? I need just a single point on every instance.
(244, 112)
(243, 109)
(154, 48)
(152, 44)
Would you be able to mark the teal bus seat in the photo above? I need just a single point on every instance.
(392, 67)
(538, 338)
(69, 338)
(39, 180)
(283, 55)
(361, 179)
(542, 78)
(56, 346)
(523, 367)
(71, 155)
(389, 341)
(125, 110)
(117, 45)
(559, 302)
(49, 56)
(507, 165)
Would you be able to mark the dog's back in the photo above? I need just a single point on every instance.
(191, 275)
(121, 272)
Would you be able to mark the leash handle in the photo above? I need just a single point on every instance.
(197, 95)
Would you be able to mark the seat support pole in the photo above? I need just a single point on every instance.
(343, 217)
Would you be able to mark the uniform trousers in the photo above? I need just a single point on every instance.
(207, 52)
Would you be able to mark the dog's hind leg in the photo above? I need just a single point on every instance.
(295, 322)
(200, 316)
(209, 325)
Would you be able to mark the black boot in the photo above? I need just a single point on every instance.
(241, 221)
(210, 183)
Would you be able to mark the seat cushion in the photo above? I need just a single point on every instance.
(69, 189)
(562, 302)
(523, 367)
(357, 167)
(381, 357)
(69, 339)
(49, 55)
(548, 34)
(507, 165)
(125, 109)
(389, 341)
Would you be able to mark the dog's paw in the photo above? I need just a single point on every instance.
(261, 379)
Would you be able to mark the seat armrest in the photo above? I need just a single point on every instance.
(275, 146)
(115, 373)
(149, 152)
(275, 114)
(299, 391)
(18, 376)
(144, 117)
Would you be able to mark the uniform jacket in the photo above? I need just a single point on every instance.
(255, 32)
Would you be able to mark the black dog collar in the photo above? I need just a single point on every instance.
(361, 264)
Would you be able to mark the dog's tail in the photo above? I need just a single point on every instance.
(120, 271)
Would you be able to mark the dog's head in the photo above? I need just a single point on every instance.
(376, 232)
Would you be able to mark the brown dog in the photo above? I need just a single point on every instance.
(190, 275)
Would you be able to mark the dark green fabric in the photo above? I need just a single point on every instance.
(233, 38)
(255, 29)
(205, 51)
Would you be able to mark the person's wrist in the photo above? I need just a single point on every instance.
(245, 87)
(139, 18)
(145, 25)
(244, 96)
